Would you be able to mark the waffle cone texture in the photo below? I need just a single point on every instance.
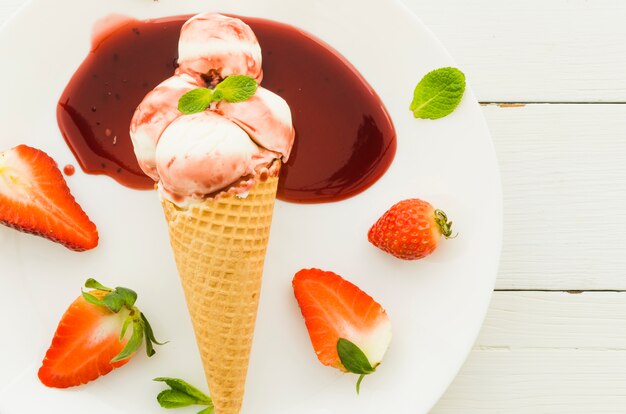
(219, 246)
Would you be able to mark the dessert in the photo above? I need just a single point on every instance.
(217, 182)
(335, 111)
(216, 46)
(34, 198)
(348, 329)
(100, 331)
(410, 229)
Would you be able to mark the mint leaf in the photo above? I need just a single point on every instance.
(94, 284)
(183, 394)
(236, 88)
(196, 100)
(175, 399)
(438, 93)
(352, 358)
(186, 388)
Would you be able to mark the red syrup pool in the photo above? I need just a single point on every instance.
(345, 140)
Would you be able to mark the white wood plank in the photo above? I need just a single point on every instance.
(545, 352)
(539, 381)
(555, 320)
(534, 50)
(564, 185)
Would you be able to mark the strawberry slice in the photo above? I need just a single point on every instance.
(34, 198)
(348, 329)
(93, 337)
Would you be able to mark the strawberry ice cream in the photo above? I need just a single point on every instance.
(217, 46)
(266, 117)
(200, 154)
(222, 149)
(157, 110)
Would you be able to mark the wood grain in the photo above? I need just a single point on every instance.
(545, 352)
(564, 184)
(534, 50)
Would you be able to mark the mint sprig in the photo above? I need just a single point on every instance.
(354, 360)
(115, 300)
(438, 93)
(237, 88)
(183, 394)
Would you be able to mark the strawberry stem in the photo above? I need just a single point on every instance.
(358, 383)
(445, 226)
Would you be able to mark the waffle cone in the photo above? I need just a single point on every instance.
(219, 246)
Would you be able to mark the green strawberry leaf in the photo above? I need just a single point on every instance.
(352, 358)
(114, 301)
(133, 344)
(196, 100)
(236, 88)
(186, 388)
(92, 299)
(438, 93)
(127, 322)
(94, 284)
(129, 296)
(150, 338)
(445, 226)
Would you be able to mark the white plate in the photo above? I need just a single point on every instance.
(436, 304)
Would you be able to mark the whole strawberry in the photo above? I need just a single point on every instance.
(410, 230)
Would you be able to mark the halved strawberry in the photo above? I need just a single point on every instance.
(348, 329)
(34, 198)
(93, 337)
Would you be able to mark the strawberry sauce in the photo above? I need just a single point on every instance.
(69, 170)
(345, 139)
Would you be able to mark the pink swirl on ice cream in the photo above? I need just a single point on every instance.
(157, 110)
(203, 153)
(215, 45)
(266, 117)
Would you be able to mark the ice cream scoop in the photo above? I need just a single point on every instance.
(203, 153)
(157, 110)
(266, 117)
(216, 46)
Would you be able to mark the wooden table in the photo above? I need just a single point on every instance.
(551, 75)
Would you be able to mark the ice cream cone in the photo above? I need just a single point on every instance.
(219, 246)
